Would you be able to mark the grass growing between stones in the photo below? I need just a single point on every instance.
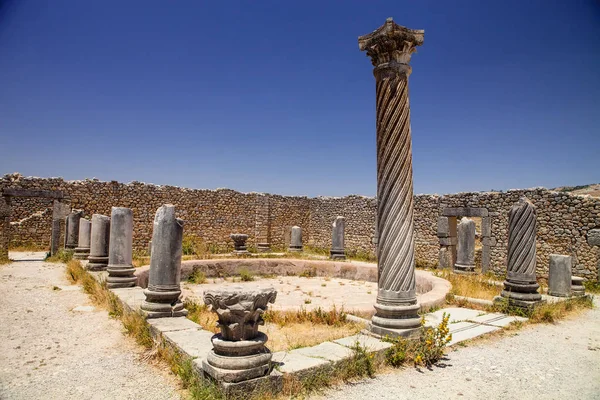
(61, 255)
(287, 330)
(548, 312)
(477, 286)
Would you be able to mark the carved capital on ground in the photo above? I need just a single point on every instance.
(239, 311)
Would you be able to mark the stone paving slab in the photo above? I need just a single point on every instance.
(132, 297)
(170, 324)
(471, 332)
(296, 363)
(369, 342)
(456, 314)
(328, 351)
(497, 319)
(192, 342)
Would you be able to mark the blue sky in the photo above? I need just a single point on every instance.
(275, 96)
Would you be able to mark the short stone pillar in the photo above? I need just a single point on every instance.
(520, 286)
(465, 259)
(98, 258)
(239, 243)
(577, 288)
(72, 229)
(163, 291)
(296, 239)
(239, 352)
(390, 48)
(337, 239)
(59, 211)
(83, 243)
(446, 233)
(120, 268)
(559, 275)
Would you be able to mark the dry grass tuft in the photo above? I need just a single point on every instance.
(477, 286)
(62, 255)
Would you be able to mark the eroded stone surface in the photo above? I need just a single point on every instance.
(120, 268)
(559, 277)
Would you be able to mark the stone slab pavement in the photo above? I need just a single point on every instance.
(543, 361)
(55, 345)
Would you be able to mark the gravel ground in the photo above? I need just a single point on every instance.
(50, 351)
(560, 361)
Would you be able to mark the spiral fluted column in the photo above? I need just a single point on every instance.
(390, 48)
(520, 286)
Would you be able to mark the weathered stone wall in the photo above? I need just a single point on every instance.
(360, 213)
(563, 219)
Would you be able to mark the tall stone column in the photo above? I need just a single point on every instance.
(390, 48)
(163, 291)
(120, 258)
(98, 258)
(520, 286)
(83, 243)
(465, 261)
(337, 239)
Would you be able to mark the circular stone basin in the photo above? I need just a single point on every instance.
(305, 283)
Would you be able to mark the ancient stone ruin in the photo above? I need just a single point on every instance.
(296, 239)
(84, 238)
(239, 352)
(390, 48)
(337, 251)
(99, 239)
(520, 286)
(239, 243)
(120, 268)
(465, 261)
(163, 291)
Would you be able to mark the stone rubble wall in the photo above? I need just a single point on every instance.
(563, 220)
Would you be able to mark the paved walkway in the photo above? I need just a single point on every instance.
(50, 351)
(560, 361)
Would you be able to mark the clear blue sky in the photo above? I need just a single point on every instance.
(275, 96)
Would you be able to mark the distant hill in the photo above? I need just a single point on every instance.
(592, 189)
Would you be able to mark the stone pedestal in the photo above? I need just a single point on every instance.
(559, 276)
(337, 239)
(390, 48)
(296, 239)
(577, 288)
(520, 286)
(83, 244)
(465, 259)
(239, 243)
(98, 258)
(263, 247)
(163, 291)
(120, 268)
(239, 353)
(72, 229)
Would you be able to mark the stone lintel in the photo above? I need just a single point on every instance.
(465, 212)
(17, 192)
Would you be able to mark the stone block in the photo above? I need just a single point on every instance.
(488, 241)
(559, 275)
(192, 342)
(443, 227)
(497, 319)
(369, 342)
(486, 227)
(170, 324)
(448, 241)
(465, 212)
(470, 332)
(294, 363)
(456, 314)
(593, 237)
(328, 350)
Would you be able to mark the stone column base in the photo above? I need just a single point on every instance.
(296, 249)
(337, 254)
(120, 276)
(263, 247)
(577, 288)
(396, 320)
(97, 263)
(240, 253)
(519, 294)
(81, 253)
(238, 361)
(464, 269)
